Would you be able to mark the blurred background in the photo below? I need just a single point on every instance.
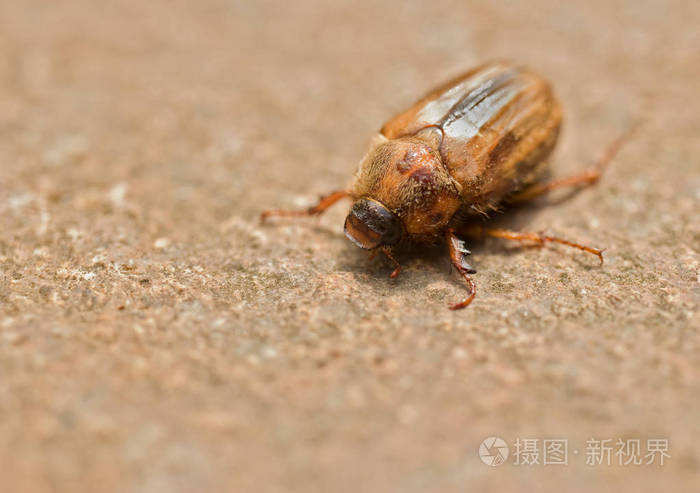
(154, 338)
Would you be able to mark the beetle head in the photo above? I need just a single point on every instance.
(370, 225)
(404, 178)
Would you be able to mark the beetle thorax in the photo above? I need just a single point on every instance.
(408, 177)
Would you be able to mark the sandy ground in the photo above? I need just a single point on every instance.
(154, 338)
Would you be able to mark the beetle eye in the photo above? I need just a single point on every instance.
(370, 225)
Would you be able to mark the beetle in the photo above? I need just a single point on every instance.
(472, 146)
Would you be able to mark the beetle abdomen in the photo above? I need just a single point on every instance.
(499, 123)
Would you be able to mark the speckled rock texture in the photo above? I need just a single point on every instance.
(155, 338)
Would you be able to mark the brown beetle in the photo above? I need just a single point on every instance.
(472, 146)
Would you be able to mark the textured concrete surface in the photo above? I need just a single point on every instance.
(154, 338)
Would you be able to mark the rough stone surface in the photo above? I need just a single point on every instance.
(153, 337)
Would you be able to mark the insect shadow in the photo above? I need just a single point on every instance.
(417, 256)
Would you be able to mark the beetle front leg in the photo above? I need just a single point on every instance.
(324, 203)
(397, 265)
(458, 256)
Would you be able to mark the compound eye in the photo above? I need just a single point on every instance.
(370, 225)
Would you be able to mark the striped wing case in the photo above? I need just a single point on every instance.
(497, 125)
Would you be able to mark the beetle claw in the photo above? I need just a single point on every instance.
(397, 265)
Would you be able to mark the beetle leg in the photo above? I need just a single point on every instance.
(458, 256)
(397, 265)
(537, 238)
(324, 203)
(582, 179)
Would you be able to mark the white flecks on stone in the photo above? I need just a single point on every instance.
(44, 219)
(161, 243)
(117, 194)
(259, 235)
(269, 352)
(65, 150)
(16, 202)
(98, 259)
(459, 353)
(302, 201)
